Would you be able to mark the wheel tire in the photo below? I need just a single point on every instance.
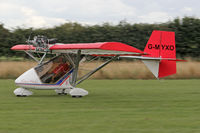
(76, 96)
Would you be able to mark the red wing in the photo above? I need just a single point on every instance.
(23, 47)
(104, 48)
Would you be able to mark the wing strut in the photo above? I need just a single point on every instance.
(28, 53)
(75, 73)
(38, 61)
(95, 70)
(41, 60)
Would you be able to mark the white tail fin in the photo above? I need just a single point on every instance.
(153, 66)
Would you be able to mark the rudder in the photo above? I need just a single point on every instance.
(161, 44)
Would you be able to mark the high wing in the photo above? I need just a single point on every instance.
(23, 47)
(101, 48)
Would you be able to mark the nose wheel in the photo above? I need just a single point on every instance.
(22, 92)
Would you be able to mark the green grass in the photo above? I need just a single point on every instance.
(113, 106)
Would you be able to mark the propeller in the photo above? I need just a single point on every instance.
(41, 43)
(28, 41)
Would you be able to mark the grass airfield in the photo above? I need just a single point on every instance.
(112, 106)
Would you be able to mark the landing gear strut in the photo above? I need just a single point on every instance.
(62, 91)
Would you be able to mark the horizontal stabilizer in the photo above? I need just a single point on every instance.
(150, 58)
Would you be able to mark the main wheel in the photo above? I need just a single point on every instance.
(76, 96)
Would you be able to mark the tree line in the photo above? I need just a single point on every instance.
(187, 31)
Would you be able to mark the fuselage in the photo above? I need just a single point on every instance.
(54, 74)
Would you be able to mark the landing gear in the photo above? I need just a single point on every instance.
(77, 96)
(22, 92)
(74, 92)
(62, 91)
(21, 95)
(78, 92)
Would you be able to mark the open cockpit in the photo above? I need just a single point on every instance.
(53, 70)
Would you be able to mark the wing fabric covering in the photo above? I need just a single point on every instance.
(23, 47)
(161, 44)
(101, 48)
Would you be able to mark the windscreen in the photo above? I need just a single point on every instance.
(54, 69)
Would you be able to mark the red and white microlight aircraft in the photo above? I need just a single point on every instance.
(60, 73)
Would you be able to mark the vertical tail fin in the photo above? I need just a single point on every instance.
(161, 45)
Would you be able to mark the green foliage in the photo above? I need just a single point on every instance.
(187, 32)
